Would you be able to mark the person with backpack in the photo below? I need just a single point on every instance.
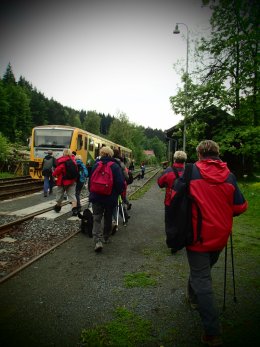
(216, 200)
(48, 165)
(167, 179)
(81, 179)
(106, 183)
(66, 174)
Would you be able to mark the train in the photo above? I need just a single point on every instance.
(58, 137)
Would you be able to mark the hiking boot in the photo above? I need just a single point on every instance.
(98, 246)
(173, 251)
(212, 340)
(114, 228)
(57, 208)
(191, 302)
(74, 211)
(50, 192)
(45, 195)
(129, 207)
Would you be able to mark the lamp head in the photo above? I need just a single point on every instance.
(176, 30)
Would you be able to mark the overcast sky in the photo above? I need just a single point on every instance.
(106, 55)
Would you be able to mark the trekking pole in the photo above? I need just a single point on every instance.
(117, 212)
(225, 279)
(122, 208)
(233, 269)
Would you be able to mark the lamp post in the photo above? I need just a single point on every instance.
(177, 31)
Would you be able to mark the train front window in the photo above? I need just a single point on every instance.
(52, 138)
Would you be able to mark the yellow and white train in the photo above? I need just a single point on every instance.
(58, 137)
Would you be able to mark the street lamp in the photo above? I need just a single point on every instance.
(177, 31)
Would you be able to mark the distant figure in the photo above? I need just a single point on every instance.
(104, 197)
(167, 178)
(89, 166)
(131, 166)
(215, 191)
(81, 180)
(142, 167)
(48, 165)
(66, 173)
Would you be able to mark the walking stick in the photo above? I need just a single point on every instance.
(225, 279)
(233, 273)
(122, 209)
(233, 269)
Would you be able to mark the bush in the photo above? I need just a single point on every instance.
(4, 145)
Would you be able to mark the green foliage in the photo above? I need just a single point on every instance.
(158, 147)
(126, 330)
(23, 107)
(139, 279)
(228, 75)
(120, 130)
(8, 77)
(246, 228)
(92, 122)
(4, 145)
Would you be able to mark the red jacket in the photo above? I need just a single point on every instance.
(216, 192)
(60, 171)
(167, 178)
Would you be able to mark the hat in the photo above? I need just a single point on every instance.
(49, 151)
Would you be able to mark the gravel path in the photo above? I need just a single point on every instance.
(49, 303)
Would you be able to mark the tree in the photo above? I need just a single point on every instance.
(8, 77)
(228, 72)
(92, 122)
(232, 52)
(120, 131)
(158, 147)
(4, 145)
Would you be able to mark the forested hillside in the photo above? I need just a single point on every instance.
(22, 107)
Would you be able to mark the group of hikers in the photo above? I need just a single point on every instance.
(212, 187)
(107, 184)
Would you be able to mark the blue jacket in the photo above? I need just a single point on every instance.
(118, 185)
(83, 172)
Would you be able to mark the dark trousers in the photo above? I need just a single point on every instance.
(100, 210)
(200, 289)
(79, 186)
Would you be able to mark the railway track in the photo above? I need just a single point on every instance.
(30, 233)
(14, 187)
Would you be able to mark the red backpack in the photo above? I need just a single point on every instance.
(101, 180)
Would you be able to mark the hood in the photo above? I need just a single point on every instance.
(63, 159)
(213, 171)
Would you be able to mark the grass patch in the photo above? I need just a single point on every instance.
(7, 175)
(126, 330)
(246, 228)
(142, 190)
(139, 279)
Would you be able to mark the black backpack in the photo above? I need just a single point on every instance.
(48, 164)
(71, 170)
(178, 219)
(86, 222)
(130, 178)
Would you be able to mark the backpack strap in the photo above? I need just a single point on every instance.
(187, 175)
(176, 172)
(187, 178)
